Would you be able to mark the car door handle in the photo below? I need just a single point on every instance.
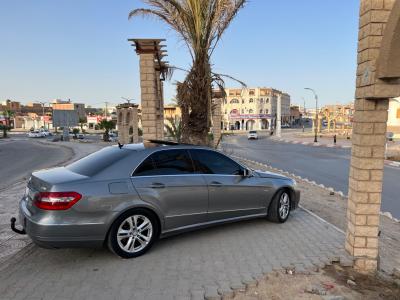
(157, 185)
(215, 183)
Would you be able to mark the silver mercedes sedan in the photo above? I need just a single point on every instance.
(128, 196)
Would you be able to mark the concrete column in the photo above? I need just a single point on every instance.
(278, 116)
(369, 132)
(159, 107)
(149, 101)
(365, 182)
(127, 121)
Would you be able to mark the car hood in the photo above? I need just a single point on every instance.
(266, 174)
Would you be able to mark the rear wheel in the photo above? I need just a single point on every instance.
(279, 209)
(133, 233)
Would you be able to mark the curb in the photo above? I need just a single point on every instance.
(294, 142)
(329, 189)
(311, 143)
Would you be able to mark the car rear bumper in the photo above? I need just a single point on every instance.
(56, 235)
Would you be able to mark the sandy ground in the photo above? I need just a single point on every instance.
(330, 283)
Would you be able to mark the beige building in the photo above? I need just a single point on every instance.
(67, 105)
(253, 108)
(393, 124)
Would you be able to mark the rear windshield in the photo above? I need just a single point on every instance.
(253, 131)
(98, 161)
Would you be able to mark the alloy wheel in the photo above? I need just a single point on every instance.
(284, 206)
(135, 233)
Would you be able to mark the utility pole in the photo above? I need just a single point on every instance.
(44, 122)
(278, 115)
(316, 115)
(105, 110)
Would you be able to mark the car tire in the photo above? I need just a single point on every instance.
(133, 233)
(279, 209)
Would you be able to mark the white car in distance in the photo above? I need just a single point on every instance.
(252, 135)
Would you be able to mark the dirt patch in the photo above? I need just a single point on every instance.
(333, 283)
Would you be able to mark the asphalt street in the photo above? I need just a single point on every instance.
(327, 166)
(19, 158)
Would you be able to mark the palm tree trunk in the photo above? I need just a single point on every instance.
(199, 84)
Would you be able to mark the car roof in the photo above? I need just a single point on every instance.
(153, 144)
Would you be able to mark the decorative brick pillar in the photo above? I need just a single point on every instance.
(127, 121)
(216, 121)
(148, 86)
(369, 131)
(160, 107)
(153, 70)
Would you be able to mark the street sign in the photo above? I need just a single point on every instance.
(65, 118)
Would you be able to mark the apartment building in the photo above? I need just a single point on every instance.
(254, 108)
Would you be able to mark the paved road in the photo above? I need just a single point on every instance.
(329, 166)
(20, 157)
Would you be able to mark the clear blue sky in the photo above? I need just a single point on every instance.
(78, 49)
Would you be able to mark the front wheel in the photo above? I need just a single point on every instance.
(279, 209)
(132, 234)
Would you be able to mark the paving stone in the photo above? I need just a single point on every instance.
(207, 263)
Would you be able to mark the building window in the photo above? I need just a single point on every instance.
(242, 101)
(266, 111)
(251, 100)
(252, 92)
(261, 111)
(234, 101)
(267, 100)
(226, 111)
(398, 113)
(261, 100)
(242, 111)
(251, 111)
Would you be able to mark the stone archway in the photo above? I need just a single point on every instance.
(378, 79)
(250, 124)
(237, 125)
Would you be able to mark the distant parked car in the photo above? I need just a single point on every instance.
(285, 126)
(252, 135)
(128, 196)
(112, 137)
(45, 132)
(36, 134)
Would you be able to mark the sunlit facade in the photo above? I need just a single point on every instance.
(253, 108)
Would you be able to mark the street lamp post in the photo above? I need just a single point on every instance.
(44, 122)
(316, 114)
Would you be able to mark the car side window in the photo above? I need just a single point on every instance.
(211, 162)
(166, 162)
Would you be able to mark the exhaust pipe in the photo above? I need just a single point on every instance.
(13, 228)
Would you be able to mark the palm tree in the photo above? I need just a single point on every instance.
(201, 24)
(107, 126)
(174, 129)
(7, 116)
(82, 121)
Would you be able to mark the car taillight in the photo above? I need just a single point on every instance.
(56, 200)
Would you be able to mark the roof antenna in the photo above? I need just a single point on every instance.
(120, 145)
